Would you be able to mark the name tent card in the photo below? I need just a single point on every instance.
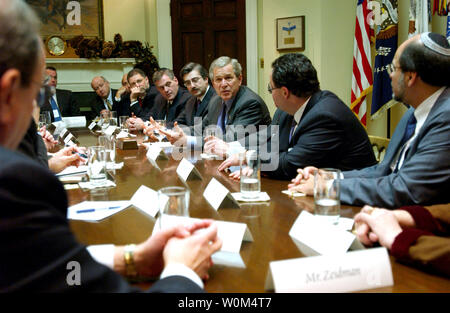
(110, 130)
(146, 199)
(352, 271)
(187, 171)
(232, 234)
(155, 152)
(313, 237)
(93, 126)
(218, 196)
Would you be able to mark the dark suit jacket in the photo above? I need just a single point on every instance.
(424, 177)
(190, 112)
(66, 103)
(247, 109)
(162, 111)
(98, 105)
(328, 136)
(36, 240)
(141, 112)
(33, 145)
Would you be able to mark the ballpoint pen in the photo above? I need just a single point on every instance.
(97, 209)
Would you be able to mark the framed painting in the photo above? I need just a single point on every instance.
(291, 33)
(68, 19)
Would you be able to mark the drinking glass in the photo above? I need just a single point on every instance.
(172, 201)
(163, 124)
(123, 123)
(110, 147)
(97, 165)
(113, 118)
(250, 172)
(327, 202)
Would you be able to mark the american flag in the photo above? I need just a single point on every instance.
(362, 79)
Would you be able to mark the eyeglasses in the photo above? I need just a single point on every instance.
(194, 80)
(270, 88)
(391, 68)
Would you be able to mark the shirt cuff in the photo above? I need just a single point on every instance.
(234, 147)
(103, 254)
(178, 269)
(422, 217)
(404, 240)
(133, 103)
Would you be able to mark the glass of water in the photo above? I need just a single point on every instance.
(110, 147)
(327, 201)
(97, 165)
(123, 123)
(163, 124)
(250, 171)
(172, 201)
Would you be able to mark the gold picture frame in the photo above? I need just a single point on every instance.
(291, 33)
(68, 19)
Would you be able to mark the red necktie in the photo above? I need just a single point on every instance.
(140, 102)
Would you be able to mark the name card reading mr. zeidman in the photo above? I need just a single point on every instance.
(352, 271)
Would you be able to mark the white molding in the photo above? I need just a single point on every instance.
(251, 22)
(90, 61)
(164, 26)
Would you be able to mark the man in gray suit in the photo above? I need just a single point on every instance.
(416, 168)
(235, 106)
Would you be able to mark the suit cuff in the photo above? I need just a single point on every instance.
(422, 217)
(178, 269)
(404, 240)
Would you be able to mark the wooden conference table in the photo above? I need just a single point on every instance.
(268, 222)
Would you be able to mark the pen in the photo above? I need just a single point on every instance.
(84, 156)
(98, 209)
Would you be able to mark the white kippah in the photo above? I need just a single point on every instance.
(429, 43)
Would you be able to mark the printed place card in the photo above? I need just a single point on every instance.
(314, 237)
(146, 199)
(155, 152)
(352, 271)
(68, 138)
(187, 171)
(92, 125)
(110, 130)
(218, 195)
(232, 234)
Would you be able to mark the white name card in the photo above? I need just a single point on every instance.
(314, 237)
(232, 234)
(146, 199)
(110, 130)
(68, 138)
(352, 271)
(63, 132)
(187, 171)
(154, 153)
(92, 125)
(218, 195)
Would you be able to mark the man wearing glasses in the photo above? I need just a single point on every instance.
(416, 167)
(311, 126)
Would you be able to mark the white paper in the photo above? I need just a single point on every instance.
(88, 185)
(101, 210)
(215, 193)
(146, 199)
(75, 121)
(206, 156)
(320, 237)
(262, 196)
(114, 166)
(230, 259)
(232, 234)
(122, 134)
(352, 271)
(72, 170)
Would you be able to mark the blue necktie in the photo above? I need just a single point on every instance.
(410, 127)
(55, 107)
(222, 117)
(294, 123)
(409, 131)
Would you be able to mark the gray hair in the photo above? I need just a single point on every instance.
(19, 39)
(222, 62)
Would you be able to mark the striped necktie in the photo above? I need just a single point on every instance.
(293, 124)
